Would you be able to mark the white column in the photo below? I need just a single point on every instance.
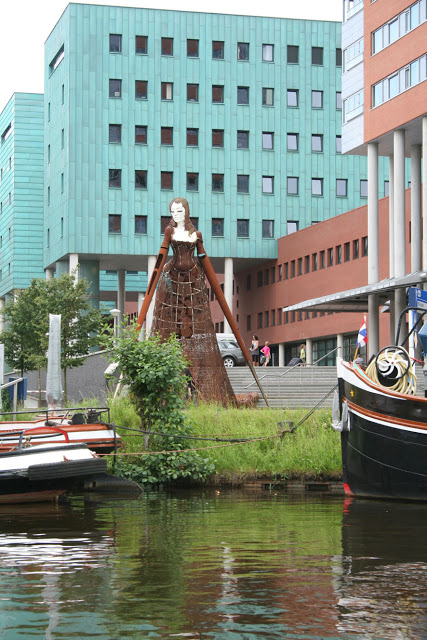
(373, 325)
(309, 351)
(228, 289)
(392, 318)
(281, 354)
(49, 273)
(340, 345)
(73, 263)
(141, 297)
(121, 295)
(391, 214)
(399, 305)
(416, 231)
(373, 244)
(424, 181)
(399, 203)
(150, 312)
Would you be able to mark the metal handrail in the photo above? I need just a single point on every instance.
(13, 383)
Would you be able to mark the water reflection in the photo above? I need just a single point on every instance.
(228, 566)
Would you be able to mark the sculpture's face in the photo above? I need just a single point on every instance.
(178, 212)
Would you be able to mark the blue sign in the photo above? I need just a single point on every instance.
(417, 298)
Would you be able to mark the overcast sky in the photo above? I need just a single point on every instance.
(25, 25)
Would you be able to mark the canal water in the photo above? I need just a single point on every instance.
(226, 565)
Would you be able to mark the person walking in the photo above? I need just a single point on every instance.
(266, 354)
(255, 350)
(302, 353)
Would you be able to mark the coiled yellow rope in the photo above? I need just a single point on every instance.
(388, 360)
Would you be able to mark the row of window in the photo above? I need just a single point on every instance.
(399, 26)
(273, 317)
(6, 133)
(399, 81)
(218, 48)
(242, 142)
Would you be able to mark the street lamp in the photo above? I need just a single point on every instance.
(115, 313)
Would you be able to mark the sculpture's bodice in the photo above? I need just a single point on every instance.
(183, 255)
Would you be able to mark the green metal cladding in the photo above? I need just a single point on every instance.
(78, 112)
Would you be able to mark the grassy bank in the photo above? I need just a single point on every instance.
(311, 452)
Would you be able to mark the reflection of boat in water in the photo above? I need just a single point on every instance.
(383, 427)
(382, 585)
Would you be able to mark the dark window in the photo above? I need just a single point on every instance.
(248, 282)
(141, 89)
(243, 228)
(115, 133)
(363, 188)
(218, 49)
(330, 257)
(192, 137)
(243, 50)
(346, 252)
(217, 227)
(338, 254)
(317, 99)
(292, 183)
(279, 272)
(242, 95)
(307, 264)
(322, 259)
(192, 181)
(115, 43)
(317, 142)
(114, 223)
(267, 140)
(292, 268)
(141, 224)
(218, 182)
(217, 93)
(166, 179)
(268, 52)
(192, 93)
(115, 178)
(167, 46)
(268, 96)
(248, 323)
(243, 139)
(286, 270)
(115, 88)
(279, 316)
(167, 91)
(140, 179)
(300, 266)
(260, 317)
(267, 318)
(355, 249)
(141, 43)
(166, 135)
(292, 97)
(164, 221)
(140, 134)
(341, 187)
(314, 262)
(268, 228)
(217, 137)
(365, 246)
(266, 276)
(338, 57)
(293, 54)
(243, 183)
(317, 55)
(192, 48)
(57, 59)
(260, 280)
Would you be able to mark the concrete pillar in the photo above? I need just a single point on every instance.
(399, 203)
(228, 289)
(89, 269)
(150, 312)
(73, 263)
(373, 325)
(141, 297)
(309, 351)
(391, 214)
(399, 305)
(424, 182)
(281, 354)
(416, 230)
(373, 234)
(2, 322)
(121, 296)
(49, 273)
(340, 345)
(392, 318)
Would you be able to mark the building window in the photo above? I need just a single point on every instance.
(192, 48)
(192, 93)
(243, 183)
(314, 262)
(317, 186)
(115, 43)
(353, 106)
(307, 264)
(260, 280)
(292, 186)
(141, 224)
(341, 187)
(248, 282)
(260, 320)
(317, 99)
(266, 277)
(267, 97)
(286, 270)
(338, 144)
(192, 137)
(292, 54)
(243, 50)
(218, 182)
(167, 46)
(62, 94)
(48, 196)
(292, 141)
(268, 228)
(217, 137)
(338, 254)
(217, 227)
(57, 59)
(167, 91)
(62, 183)
(114, 133)
(141, 45)
(140, 134)
(291, 226)
(192, 181)
(115, 88)
(164, 222)
(166, 135)
(338, 100)
(363, 188)
(140, 179)
(365, 246)
(114, 223)
(248, 323)
(62, 138)
(243, 139)
(115, 178)
(48, 160)
(292, 97)
(355, 249)
(399, 26)
(267, 140)
(279, 316)
(141, 89)
(218, 50)
(292, 268)
(242, 95)
(317, 55)
(267, 184)
(386, 188)
(166, 180)
(317, 142)
(218, 93)
(338, 57)
(300, 266)
(267, 318)
(346, 251)
(243, 228)
(268, 52)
